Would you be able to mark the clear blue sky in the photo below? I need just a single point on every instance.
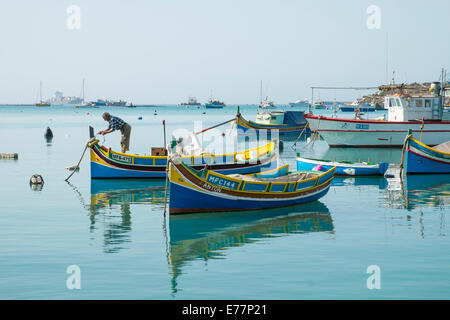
(163, 51)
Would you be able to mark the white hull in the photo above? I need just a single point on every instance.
(372, 133)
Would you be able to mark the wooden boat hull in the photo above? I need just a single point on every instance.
(375, 133)
(108, 164)
(247, 127)
(190, 193)
(422, 159)
(344, 169)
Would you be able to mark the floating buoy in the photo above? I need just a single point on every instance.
(48, 135)
(36, 179)
(140, 118)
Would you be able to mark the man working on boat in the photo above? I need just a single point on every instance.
(116, 123)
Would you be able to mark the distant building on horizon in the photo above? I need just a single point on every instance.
(60, 99)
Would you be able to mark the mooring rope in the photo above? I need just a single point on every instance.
(167, 180)
(403, 151)
(299, 137)
(89, 144)
(218, 125)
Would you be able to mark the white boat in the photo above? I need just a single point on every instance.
(299, 104)
(41, 102)
(423, 114)
(267, 104)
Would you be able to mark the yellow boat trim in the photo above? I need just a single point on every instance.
(260, 151)
(179, 179)
(427, 147)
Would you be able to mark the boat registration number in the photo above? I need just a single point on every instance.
(121, 158)
(222, 182)
(362, 126)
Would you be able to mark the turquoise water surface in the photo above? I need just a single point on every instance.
(125, 248)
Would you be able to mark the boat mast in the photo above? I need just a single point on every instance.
(82, 90)
(260, 94)
(40, 91)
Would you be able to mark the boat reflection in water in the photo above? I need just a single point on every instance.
(205, 236)
(110, 197)
(418, 192)
(427, 191)
(381, 182)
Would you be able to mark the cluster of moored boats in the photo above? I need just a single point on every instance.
(250, 179)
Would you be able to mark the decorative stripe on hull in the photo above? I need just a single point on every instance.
(376, 134)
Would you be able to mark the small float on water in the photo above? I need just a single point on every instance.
(193, 191)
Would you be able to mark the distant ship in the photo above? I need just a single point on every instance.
(192, 101)
(363, 107)
(299, 104)
(120, 103)
(267, 104)
(214, 104)
(320, 105)
(41, 103)
(83, 103)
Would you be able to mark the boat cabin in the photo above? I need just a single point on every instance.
(403, 107)
(273, 117)
(281, 117)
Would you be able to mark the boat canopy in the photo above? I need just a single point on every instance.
(294, 118)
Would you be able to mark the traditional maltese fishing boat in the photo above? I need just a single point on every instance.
(109, 164)
(422, 159)
(345, 168)
(193, 191)
(283, 122)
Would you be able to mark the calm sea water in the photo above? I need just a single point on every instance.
(116, 233)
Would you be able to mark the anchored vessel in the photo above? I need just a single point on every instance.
(362, 107)
(285, 122)
(421, 159)
(214, 104)
(345, 168)
(423, 114)
(192, 101)
(194, 191)
(41, 102)
(109, 164)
